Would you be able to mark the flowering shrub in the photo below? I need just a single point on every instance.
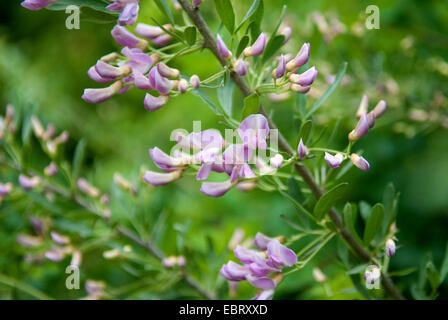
(252, 154)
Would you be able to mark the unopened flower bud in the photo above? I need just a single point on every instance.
(38, 129)
(371, 119)
(299, 89)
(124, 184)
(195, 82)
(86, 188)
(28, 183)
(38, 225)
(161, 179)
(240, 67)
(59, 239)
(51, 169)
(102, 94)
(300, 59)
(111, 57)
(360, 162)
(360, 130)
(5, 189)
(55, 254)
(363, 106)
(304, 79)
(167, 72)
(334, 161)
(108, 71)
(390, 248)
(372, 275)
(222, 48)
(182, 86)
(281, 68)
(302, 150)
(153, 103)
(246, 185)
(319, 276)
(257, 48)
(125, 38)
(379, 109)
(76, 258)
(196, 3)
(276, 161)
(28, 241)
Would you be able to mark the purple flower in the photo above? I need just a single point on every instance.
(125, 38)
(261, 241)
(182, 86)
(140, 81)
(37, 4)
(102, 94)
(379, 109)
(166, 71)
(235, 158)
(390, 248)
(129, 14)
(363, 106)
(208, 158)
(210, 138)
(55, 254)
(304, 79)
(138, 61)
(195, 81)
(59, 239)
(51, 169)
(161, 84)
(234, 272)
(360, 162)
(371, 119)
(301, 58)
(246, 256)
(161, 179)
(276, 161)
(216, 189)
(261, 282)
(280, 255)
(264, 295)
(96, 77)
(281, 68)
(222, 49)
(5, 189)
(361, 128)
(257, 48)
(156, 34)
(253, 131)
(152, 103)
(240, 67)
(162, 40)
(165, 162)
(334, 161)
(106, 71)
(302, 150)
(28, 183)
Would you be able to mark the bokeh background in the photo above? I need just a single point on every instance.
(43, 68)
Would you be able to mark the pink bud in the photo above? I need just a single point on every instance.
(299, 89)
(257, 48)
(161, 179)
(5, 189)
(359, 162)
(390, 248)
(152, 103)
(59, 239)
(28, 183)
(195, 82)
(182, 86)
(167, 72)
(301, 58)
(360, 130)
(51, 169)
(276, 161)
(281, 68)
(304, 79)
(286, 32)
(149, 32)
(222, 49)
(302, 150)
(363, 106)
(196, 3)
(216, 189)
(379, 109)
(125, 38)
(334, 161)
(240, 67)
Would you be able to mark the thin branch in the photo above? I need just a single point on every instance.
(210, 43)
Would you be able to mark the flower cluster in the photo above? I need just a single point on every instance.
(258, 265)
(209, 151)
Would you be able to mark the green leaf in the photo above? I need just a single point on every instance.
(433, 276)
(402, 273)
(350, 214)
(78, 158)
(242, 45)
(293, 224)
(225, 12)
(250, 13)
(374, 223)
(358, 269)
(163, 6)
(190, 35)
(444, 267)
(329, 91)
(328, 200)
(251, 105)
(209, 102)
(390, 201)
(225, 96)
(272, 47)
(305, 131)
(365, 209)
(97, 5)
(26, 130)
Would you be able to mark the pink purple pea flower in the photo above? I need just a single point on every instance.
(334, 161)
(300, 59)
(360, 162)
(257, 48)
(37, 4)
(222, 48)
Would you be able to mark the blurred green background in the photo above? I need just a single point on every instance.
(43, 67)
